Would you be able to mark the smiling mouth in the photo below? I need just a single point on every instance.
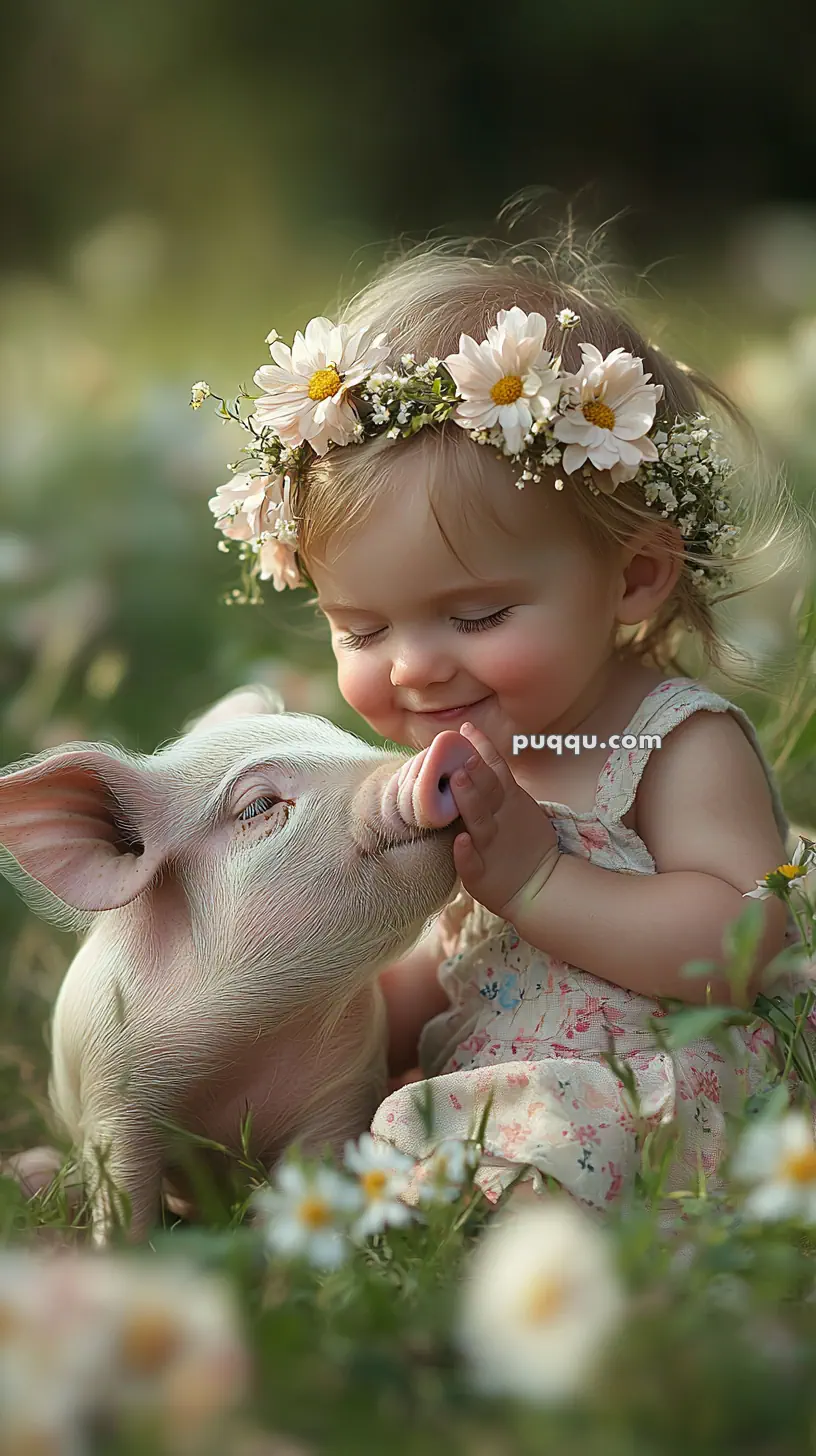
(458, 708)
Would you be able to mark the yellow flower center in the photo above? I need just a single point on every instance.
(324, 383)
(800, 1167)
(598, 413)
(507, 390)
(791, 872)
(374, 1182)
(149, 1339)
(314, 1212)
(544, 1298)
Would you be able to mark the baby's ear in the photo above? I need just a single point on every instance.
(240, 703)
(80, 824)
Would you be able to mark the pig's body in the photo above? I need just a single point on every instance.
(232, 962)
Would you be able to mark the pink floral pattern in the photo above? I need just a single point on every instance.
(567, 1115)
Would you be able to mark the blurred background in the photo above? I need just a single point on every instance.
(179, 178)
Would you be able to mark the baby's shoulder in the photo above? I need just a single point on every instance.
(706, 780)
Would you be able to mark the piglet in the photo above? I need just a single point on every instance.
(241, 889)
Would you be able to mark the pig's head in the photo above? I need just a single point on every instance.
(261, 850)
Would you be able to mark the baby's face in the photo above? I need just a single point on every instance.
(423, 645)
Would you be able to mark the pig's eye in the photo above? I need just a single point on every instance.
(258, 806)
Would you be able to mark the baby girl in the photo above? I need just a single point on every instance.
(614, 811)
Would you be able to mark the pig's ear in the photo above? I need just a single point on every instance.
(76, 823)
(240, 703)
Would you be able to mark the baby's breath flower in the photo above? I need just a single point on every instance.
(567, 319)
(199, 393)
(540, 1303)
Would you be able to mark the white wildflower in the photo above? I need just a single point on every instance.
(383, 1174)
(795, 871)
(444, 1173)
(541, 1300)
(199, 393)
(303, 1214)
(778, 1155)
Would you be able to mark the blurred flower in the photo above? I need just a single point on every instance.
(383, 1174)
(84, 1338)
(444, 1173)
(199, 393)
(613, 410)
(305, 389)
(786, 877)
(303, 1213)
(779, 1156)
(540, 1303)
(507, 379)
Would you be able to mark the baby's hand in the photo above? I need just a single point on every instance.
(509, 834)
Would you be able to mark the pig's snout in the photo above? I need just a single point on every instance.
(419, 793)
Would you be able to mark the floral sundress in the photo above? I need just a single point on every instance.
(531, 1030)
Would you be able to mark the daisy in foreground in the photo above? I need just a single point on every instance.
(305, 1213)
(84, 1339)
(778, 1156)
(445, 1172)
(540, 1303)
(383, 1175)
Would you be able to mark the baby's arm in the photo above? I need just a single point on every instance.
(704, 812)
(412, 996)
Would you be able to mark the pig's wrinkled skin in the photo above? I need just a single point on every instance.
(230, 964)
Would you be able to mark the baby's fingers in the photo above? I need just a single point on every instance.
(489, 754)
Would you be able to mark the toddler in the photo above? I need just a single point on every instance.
(389, 449)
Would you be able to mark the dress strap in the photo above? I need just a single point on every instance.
(664, 708)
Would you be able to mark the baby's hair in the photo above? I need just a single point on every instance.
(423, 299)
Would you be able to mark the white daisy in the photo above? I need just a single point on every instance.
(613, 408)
(508, 379)
(444, 1173)
(301, 1213)
(540, 1302)
(779, 1156)
(306, 387)
(796, 872)
(383, 1173)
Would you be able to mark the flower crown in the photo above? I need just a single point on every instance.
(508, 391)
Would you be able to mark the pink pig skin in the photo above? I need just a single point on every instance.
(231, 963)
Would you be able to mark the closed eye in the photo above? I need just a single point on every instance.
(259, 806)
(463, 624)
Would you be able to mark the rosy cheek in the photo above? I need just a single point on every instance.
(360, 686)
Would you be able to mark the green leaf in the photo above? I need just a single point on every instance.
(696, 1022)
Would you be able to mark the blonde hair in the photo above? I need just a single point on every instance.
(423, 299)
